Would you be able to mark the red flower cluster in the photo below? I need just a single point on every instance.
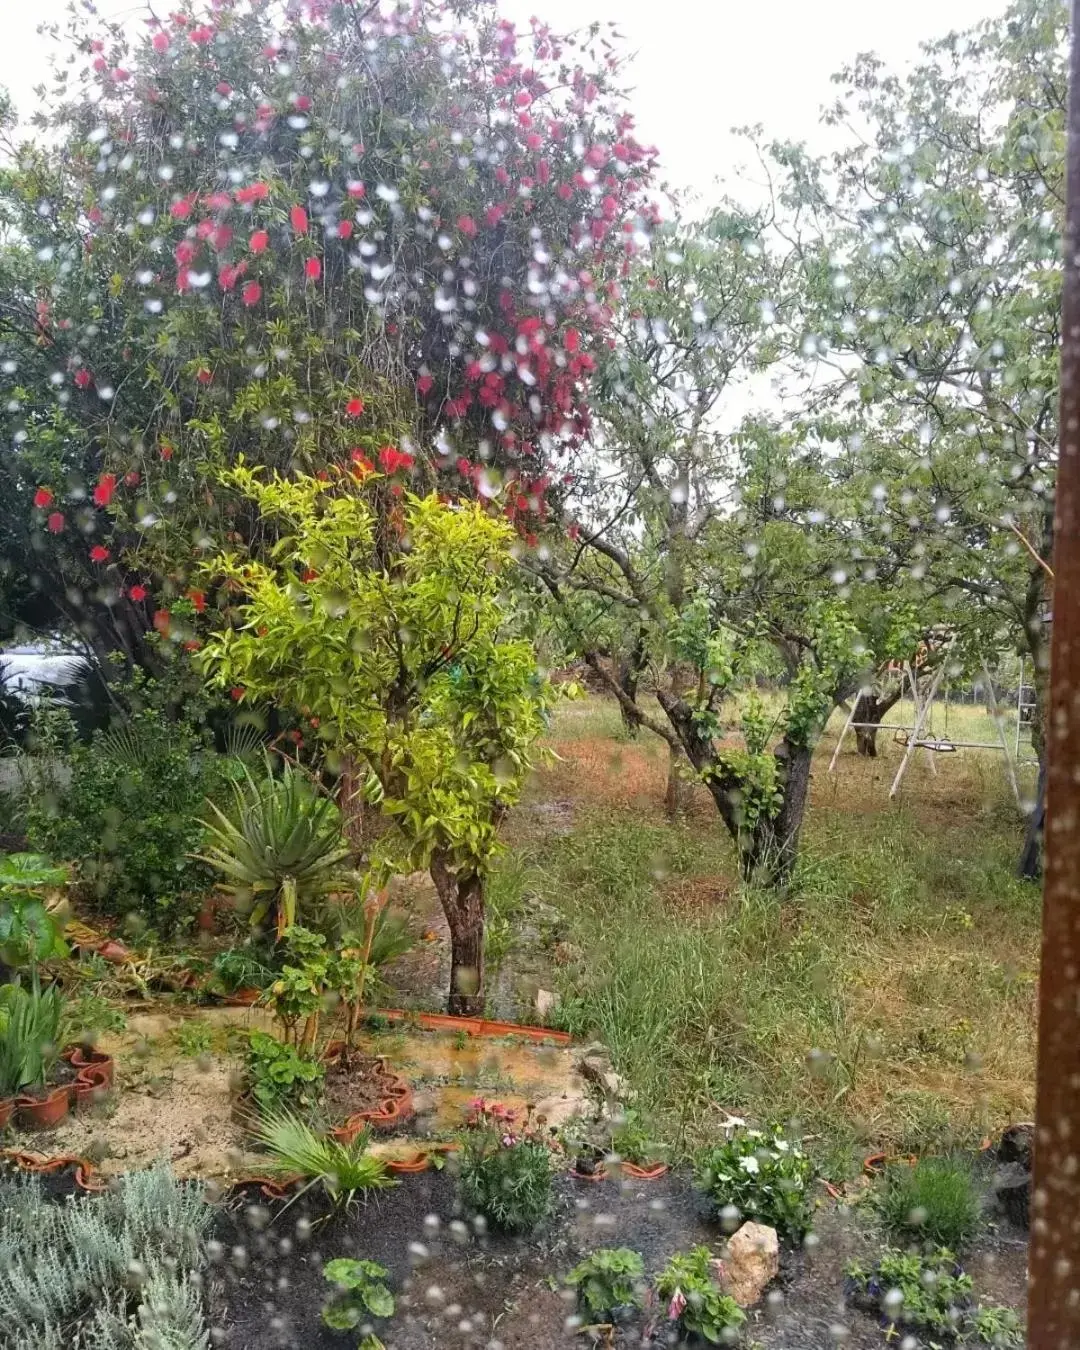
(106, 487)
(392, 460)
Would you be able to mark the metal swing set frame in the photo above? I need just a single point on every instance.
(917, 737)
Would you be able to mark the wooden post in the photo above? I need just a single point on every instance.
(1054, 1262)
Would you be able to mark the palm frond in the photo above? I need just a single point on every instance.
(346, 1171)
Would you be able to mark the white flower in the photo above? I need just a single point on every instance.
(782, 1145)
(750, 1163)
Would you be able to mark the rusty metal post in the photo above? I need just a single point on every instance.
(1054, 1270)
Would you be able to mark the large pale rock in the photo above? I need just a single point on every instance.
(553, 1112)
(545, 1002)
(752, 1260)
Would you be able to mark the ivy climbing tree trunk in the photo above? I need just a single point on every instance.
(775, 840)
(461, 894)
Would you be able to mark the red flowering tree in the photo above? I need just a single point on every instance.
(245, 233)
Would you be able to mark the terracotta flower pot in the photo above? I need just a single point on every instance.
(91, 1083)
(42, 1113)
(94, 1066)
(648, 1172)
(392, 1111)
(7, 1110)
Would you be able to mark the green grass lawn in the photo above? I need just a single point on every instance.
(887, 1001)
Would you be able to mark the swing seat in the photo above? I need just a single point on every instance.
(941, 746)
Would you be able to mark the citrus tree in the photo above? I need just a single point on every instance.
(386, 630)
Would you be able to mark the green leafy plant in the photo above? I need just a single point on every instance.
(89, 1013)
(299, 992)
(999, 1328)
(630, 1140)
(764, 1176)
(398, 646)
(279, 1076)
(361, 1292)
(934, 1201)
(30, 1035)
(693, 1299)
(194, 1037)
(608, 1280)
(128, 817)
(239, 968)
(281, 849)
(29, 933)
(347, 1173)
(506, 1170)
(910, 1291)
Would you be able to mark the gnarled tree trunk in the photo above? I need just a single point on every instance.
(775, 842)
(461, 894)
(679, 789)
(872, 707)
(628, 676)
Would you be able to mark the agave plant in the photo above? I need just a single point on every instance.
(282, 846)
(346, 1172)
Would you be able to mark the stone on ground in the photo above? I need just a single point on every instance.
(752, 1260)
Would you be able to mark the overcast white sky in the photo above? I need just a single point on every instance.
(701, 66)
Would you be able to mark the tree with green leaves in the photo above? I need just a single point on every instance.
(928, 299)
(708, 545)
(389, 633)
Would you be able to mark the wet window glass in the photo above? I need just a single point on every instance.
(537, 675)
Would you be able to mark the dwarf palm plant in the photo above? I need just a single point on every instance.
(346, 1172)
(281, 848)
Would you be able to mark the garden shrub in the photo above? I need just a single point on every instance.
(912, 1292)
(694, 1301)
(506, 1174)
(631, 1141)
(346, 1173)
(934, 1202)
(70, 1265)
(764, 1176)
(278, 1076)
(128, 817)
(608, 1280)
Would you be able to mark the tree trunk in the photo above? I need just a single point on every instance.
(461, 895)
(679, 788)
(774, 845)
(1029, 867)
(872, 707)
(628, 675)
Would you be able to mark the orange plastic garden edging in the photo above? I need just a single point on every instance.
(474, 1026)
